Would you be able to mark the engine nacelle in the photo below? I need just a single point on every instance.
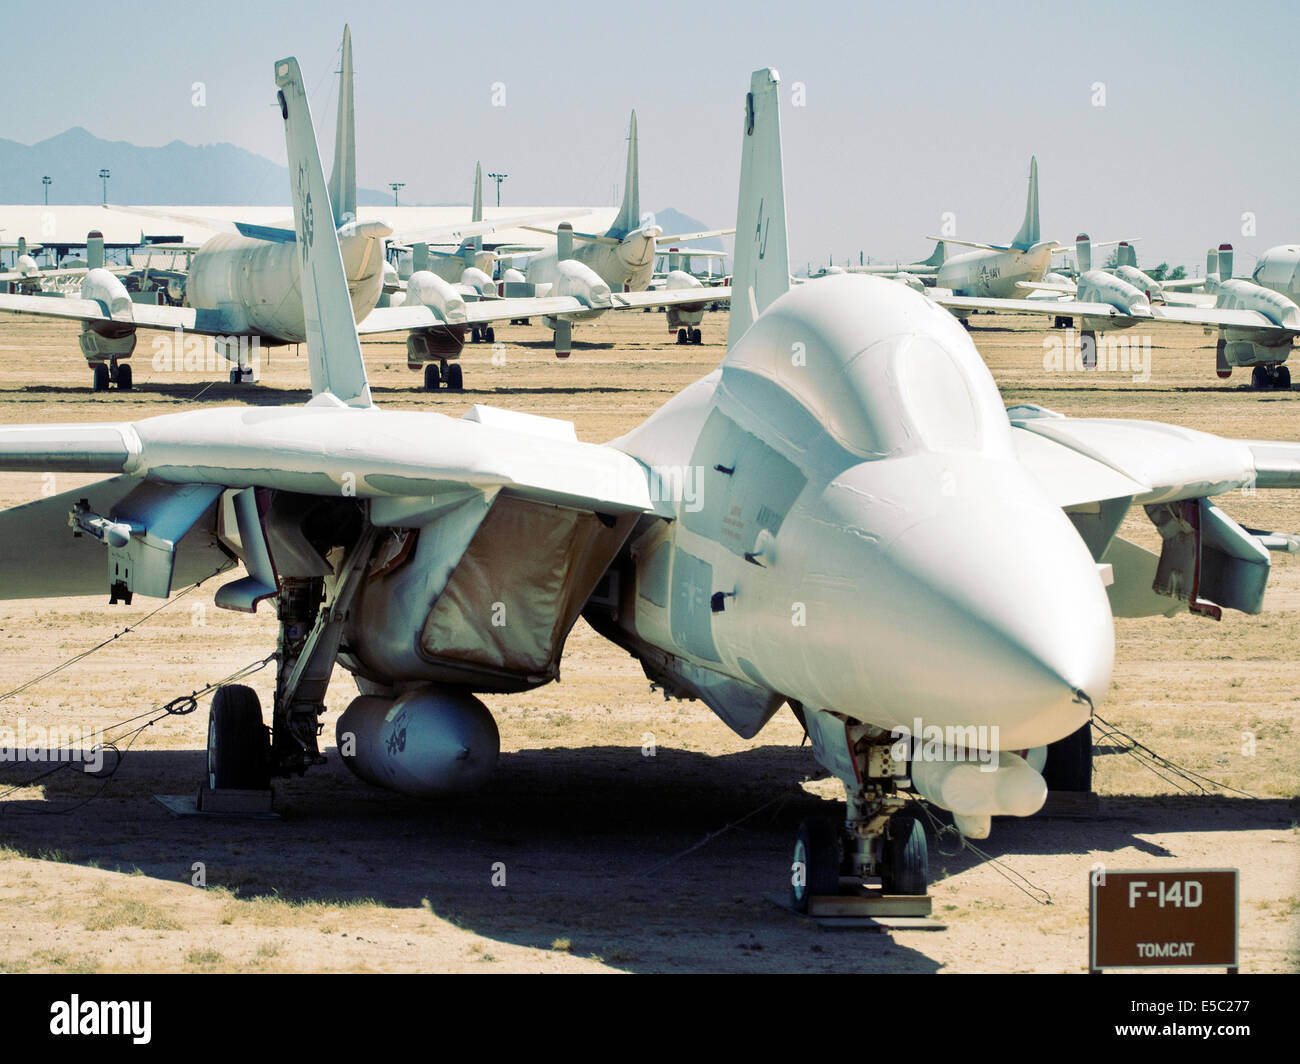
(1239, 294)
(426, 743)
(481, 282)
(103, 341)
(1095, 286)
(580, 281)
(1139, 280)
(425, 288)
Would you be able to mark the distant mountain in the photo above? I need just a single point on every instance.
(177, 174)
(674, 221)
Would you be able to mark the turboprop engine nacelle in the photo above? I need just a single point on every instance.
(1139, 280)
(1241, 346)
(425, 288)
(689, 314)
(1095, 286)
(426, 743)
(580, 281)
(481, 282)
(114, 339)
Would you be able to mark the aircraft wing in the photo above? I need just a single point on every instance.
(399, 319)
(704, 234)
(143, 315)
(1218, 316)
(1047, 307)
(671, 297)
(446, 234)
(1089, 460)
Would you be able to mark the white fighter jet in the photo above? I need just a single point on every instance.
(842, 518)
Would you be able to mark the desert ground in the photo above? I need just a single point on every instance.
(586, 853)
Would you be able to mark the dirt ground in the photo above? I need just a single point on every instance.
(587, 853)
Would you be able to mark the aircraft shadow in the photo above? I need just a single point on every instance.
(599, 845)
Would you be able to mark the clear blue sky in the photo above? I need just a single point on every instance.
(911, 110)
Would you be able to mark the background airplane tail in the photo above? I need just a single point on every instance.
(1083, 253)
(629, 215)
(1127, 255)
(762, 262)
(1029, 231)
(333, 347)
(938, 256)
(343, 180)
(476, 242)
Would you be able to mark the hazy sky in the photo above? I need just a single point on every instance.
(910, 110)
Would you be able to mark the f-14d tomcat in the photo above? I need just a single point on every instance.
(872, 541)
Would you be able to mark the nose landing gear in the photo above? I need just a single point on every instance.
(877, 862)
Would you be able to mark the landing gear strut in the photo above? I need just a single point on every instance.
(882, 837)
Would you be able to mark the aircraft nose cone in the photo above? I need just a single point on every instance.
(1007, 624)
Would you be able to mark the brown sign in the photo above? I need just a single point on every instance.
(1155, 919)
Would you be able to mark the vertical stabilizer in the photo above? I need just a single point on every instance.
(1083, 253)
(1225, 262)
(629, 216)
(1127, 254)
(94, 250)
(762, 263)
(938, 256)
(477, 242)
(1029, 231)
(333, 348)
(343, 181)
(1212, 263)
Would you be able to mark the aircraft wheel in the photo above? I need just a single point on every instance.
(1282, 378)
(818, 854)
(490, 335)
(697, 337)
(1259, 378)
(100, 377)
(681, 336)
(123, 378)
(1069, 762)
(907, 856)
(239, 748)
(431, 377)
(455, 378)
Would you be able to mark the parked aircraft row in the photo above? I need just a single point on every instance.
(243, 282)
(861, 505)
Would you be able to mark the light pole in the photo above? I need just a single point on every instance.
(498, 178)
(104, 175)
(396, 186)
(46, 181)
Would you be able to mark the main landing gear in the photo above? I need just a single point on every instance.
(482, 334)
(1277, 378)
(450, 374)
(104, 373)
(690, 336)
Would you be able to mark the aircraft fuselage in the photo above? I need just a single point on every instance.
(994, 274)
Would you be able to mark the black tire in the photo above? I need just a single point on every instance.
(123, 378)
(455, 378)
(490, 335)
(431, 377)
(907, 856)
(1069, 762)
(1259, 378)
(239, 748)
(820, 850)
(697, 337)
(1282, 379)
(681, 336)
(99, 377)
